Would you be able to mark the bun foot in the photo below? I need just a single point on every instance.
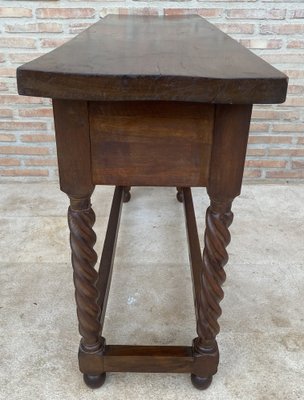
(200, 382)
(127, 194)
(94, 381)
(179, 195)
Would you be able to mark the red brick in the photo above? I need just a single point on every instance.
(52, 43)
(288, 128)
(5, 113)
(289, 115)
(294, 101)
(9, 162)
(204, 12)
(294, 73)
(78, 27)
(17, 42)
(297, 14)
(209, 12)
(40, 162)
(4, 137)
(8, 72)
(65, 13)
(264, 114)
(262, 43)
(15, 12)
(37, 138)
(24, 150)
(296, 44)
(131, 11)
(41, 27)
(236, 28)
(24, 172)
(15, 99)
(23, 57)
(270, 139)
(289, 152)
(252, 173)
(301, 140)
(3, 86)
(18, 125)
(253, 152)
(266, 163)
(271, 115)
(284, 29)
(36, 112)
(285, 58)
(284, 174)
(298, 165)
(259, 127)
(296, 89)
(254, 13)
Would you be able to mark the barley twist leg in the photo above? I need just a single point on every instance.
(217, 237)
(81, 219)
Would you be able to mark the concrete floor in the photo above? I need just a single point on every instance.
(262, 326)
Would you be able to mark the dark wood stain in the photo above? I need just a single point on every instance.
(153, 58)
(156, 144)
(151, 101)
(108, 253)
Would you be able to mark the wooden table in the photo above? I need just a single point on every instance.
(160, 101)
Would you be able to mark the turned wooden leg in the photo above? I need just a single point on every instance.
(127, 194)
(217, 237)
(179, 194)
(81, 218)
(229, 143)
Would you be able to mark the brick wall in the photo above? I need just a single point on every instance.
(273, 29)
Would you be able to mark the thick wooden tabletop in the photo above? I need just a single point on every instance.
(153, 58)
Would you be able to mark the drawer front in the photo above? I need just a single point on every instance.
(150, 143)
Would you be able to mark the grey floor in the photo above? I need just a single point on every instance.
(262, 326)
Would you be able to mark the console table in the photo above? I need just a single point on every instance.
(158, 101)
